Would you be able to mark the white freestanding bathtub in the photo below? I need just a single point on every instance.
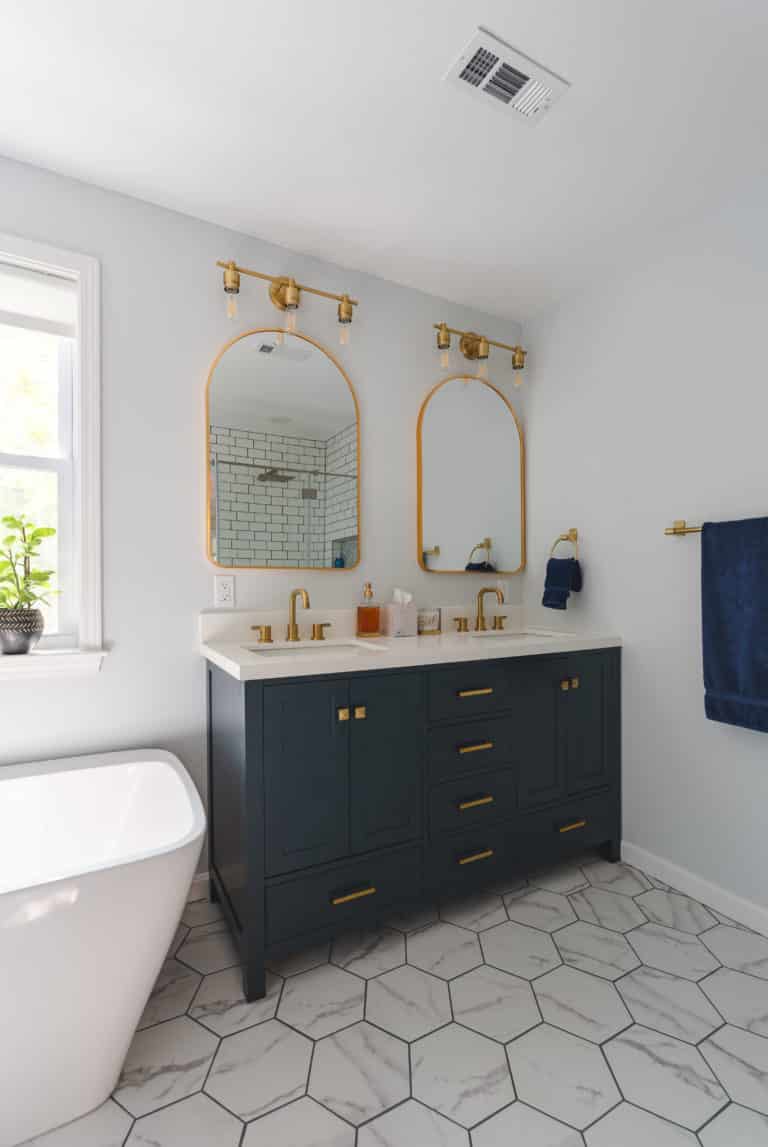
(96, 859)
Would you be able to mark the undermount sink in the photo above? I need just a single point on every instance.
(316, 648)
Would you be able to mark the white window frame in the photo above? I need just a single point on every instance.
(85, 526)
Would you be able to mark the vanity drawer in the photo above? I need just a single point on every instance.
(469, 690)
(472, 745)
(567, 827)
(468, 859)
(348, 895)
(477, 799)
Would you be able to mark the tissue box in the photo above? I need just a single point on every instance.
(399, 620)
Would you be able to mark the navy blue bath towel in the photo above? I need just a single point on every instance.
(563, 575)
(734, 601)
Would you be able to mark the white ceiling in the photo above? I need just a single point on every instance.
(325, 126)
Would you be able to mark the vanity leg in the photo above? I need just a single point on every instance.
(254, 980)
(611, 850)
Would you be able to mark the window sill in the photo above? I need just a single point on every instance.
(50, 663)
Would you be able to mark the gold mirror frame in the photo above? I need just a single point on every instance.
(345, 376)
(420, 477)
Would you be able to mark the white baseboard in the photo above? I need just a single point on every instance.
(743, 911)
(199, 887)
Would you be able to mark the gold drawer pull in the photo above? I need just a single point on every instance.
(342, 714)
(475, 802)
(575, 682)
(475, 692)
(479, 747)
(361, 892)
(565, 685)
(473, 856)
(574, 824)
(360, 712)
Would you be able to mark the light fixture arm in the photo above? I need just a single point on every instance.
(461, 334)
(283, 278)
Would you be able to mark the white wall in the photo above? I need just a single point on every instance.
(648, 402)
(163, 321)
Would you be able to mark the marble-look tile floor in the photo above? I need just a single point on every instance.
(588, 1006)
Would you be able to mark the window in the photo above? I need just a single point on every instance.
(49, 425)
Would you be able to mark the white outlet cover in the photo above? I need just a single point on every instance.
(224, 590)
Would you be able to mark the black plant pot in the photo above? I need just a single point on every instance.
(20, 629)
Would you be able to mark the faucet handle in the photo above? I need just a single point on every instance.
(462, 624)
(498, 621)
(318, 630)
(264, 632)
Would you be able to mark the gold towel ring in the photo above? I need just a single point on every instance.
(572, 536)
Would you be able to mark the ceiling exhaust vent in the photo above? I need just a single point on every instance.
(491, 70)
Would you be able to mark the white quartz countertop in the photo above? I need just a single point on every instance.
(246, 661)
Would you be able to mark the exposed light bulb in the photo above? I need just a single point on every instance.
(344, 332)
(231, 306)
(482, 370)
(445, 359)
(517, 380)
(279, 338)
(290, 321)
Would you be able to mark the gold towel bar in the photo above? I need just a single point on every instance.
(572, 536)
(679, 528)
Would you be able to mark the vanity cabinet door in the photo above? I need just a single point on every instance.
(542, 731)
(586, 706)
(386, 760)
(306, 739)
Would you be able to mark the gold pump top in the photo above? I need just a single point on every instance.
(367, 591)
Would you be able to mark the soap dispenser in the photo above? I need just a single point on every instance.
(368, 614)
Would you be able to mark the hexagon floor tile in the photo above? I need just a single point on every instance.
(581, 1004)
(494, 1003)
(740, 1060)
(260, 1069)
(742, 1000)
(539, 909)
(562, 1075)
(669, 1004)
(518, 949)
(736, 1127)
(521, 1125)
(369, 954)
(408, 1003)
(444, 950)
(461, 1074)
(411, 1125)
(628, 1126)
(596, 950)
(511, 1023)
(360, 1072)
(195, 1122)
(665, 1076)
(300, 1124)
(322, 1001)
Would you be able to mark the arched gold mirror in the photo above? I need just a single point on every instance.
(471, 480)
(283, 455)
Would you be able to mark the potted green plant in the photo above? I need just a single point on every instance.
(22, 588)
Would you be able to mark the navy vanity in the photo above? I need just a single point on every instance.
(338, 800)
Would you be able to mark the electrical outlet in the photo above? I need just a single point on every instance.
(224, 590)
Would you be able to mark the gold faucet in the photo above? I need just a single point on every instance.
(480, 618)
(293, 629)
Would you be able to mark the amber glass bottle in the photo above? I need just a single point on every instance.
(368, 614)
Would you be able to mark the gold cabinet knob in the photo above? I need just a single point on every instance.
(264, 632)
(462, 624)
(575, 682)
(361, 712)
(498, 621)
(565, 685)
(342, 714)
(318, 630)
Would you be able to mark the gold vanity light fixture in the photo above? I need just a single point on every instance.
(477, 348)
(285, 294)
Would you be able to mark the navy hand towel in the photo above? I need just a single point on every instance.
(563, 575)
(734, 601)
